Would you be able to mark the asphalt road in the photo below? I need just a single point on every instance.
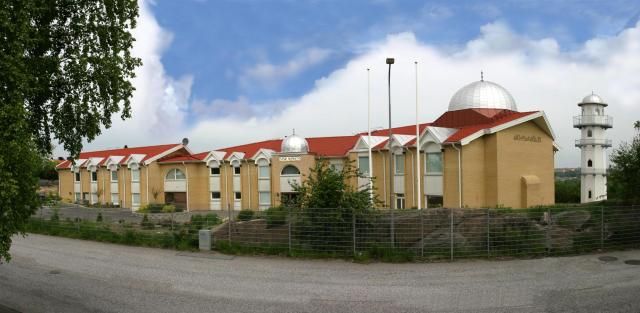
(49, 274)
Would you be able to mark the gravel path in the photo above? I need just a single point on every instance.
(49, 274)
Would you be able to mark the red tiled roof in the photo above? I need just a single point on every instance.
(469, 117)
(148, 151)
(498, 119)
(402, 130)
(185, 158)
(250, 149)
(322, 146)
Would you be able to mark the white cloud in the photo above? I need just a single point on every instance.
(539, 74)
(268, 74)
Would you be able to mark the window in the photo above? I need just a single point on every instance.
(135, 198)
(94, 176)
(589, 163)
(363, 165)
(337, 164)
(135, 175)
(175, 174)
(589, 194)
(290, 170)
(237, 195)
(434, 162)
(215, 171)
(114, 176)
(399, 200)
(215, 195)
(264, 197)
(114, 198)
(77, 176)
(236, 170)
(589, 133)
(399, 164)
(263, 171)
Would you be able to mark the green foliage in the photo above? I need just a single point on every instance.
(198, 221)
(245, 215)
(66, 68)
(99, 218)
(48, 169)
(276, 216)
(568, 191)
(151, 208)
(55, 217)
(169, 208)
(327, 204)
(624, 176)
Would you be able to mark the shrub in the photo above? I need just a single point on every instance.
(245, 215)
(276, 216)
(169, 208)
(204, 221)
(151, 208)
(146, 224)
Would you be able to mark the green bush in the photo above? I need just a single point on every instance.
(276, 216)
(204, 221)
(145, 223)
(245, 215)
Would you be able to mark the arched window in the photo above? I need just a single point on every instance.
(175, 174)
(589, 133)
(290, 170)
(589, 163)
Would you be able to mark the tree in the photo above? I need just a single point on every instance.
(624, 176)
(326, 205)
(65, 69)
(568, 191)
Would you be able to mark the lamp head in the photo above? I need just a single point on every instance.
(390, 60)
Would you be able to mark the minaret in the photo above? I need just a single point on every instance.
(592, 143)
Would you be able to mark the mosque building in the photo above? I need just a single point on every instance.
(482, 152)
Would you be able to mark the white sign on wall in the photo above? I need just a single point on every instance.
(290, 159)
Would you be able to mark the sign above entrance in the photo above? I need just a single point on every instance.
(290, 159)
(527, 138)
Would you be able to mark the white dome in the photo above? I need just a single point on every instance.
(482, 95)
(294, 144)
(592, 99)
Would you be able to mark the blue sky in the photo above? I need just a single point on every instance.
(218, 42)
(224, 73)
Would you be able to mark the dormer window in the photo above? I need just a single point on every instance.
(94, 176)
(236, 170)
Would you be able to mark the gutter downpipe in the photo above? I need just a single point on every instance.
(186, 172)
(459, 176)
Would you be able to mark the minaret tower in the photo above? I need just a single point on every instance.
(593, 143)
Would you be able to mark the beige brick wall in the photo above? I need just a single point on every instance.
(65, 181)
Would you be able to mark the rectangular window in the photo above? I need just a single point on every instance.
(114, 198)
(237, 195)
(265, 198)
(114, 176)
(399, 164)
(337, 164)
(215, 171)
(363, 165)
(263, 172)
(215, 195)
(135, 199)
(77, 176)
(135, 175)
(236, 170)
(434, 163)
(94, 176)
(399, 200)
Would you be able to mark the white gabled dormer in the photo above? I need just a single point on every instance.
(235, 160)
(214, 160)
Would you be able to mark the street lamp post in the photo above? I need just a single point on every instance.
(390, 61)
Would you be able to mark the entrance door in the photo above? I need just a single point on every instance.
(179, 199)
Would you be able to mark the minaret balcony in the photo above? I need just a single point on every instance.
(593, 171)
(592, 120)
(593, 142)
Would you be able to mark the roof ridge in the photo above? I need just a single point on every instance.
(128, 148)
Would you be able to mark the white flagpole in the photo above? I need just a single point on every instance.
(369, 135)
(418, 172)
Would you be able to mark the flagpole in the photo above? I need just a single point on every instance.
(369, 136)
(418, 172)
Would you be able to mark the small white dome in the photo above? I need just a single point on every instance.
(592, 99)
(294, 144)
(482, 95)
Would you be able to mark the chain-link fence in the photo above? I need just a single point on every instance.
(434, 233)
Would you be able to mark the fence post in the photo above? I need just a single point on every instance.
(488, 233)
(289, 227)
(548, 231)
(353, 222)
(451, 233)
(601, 228)
(422, 233)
